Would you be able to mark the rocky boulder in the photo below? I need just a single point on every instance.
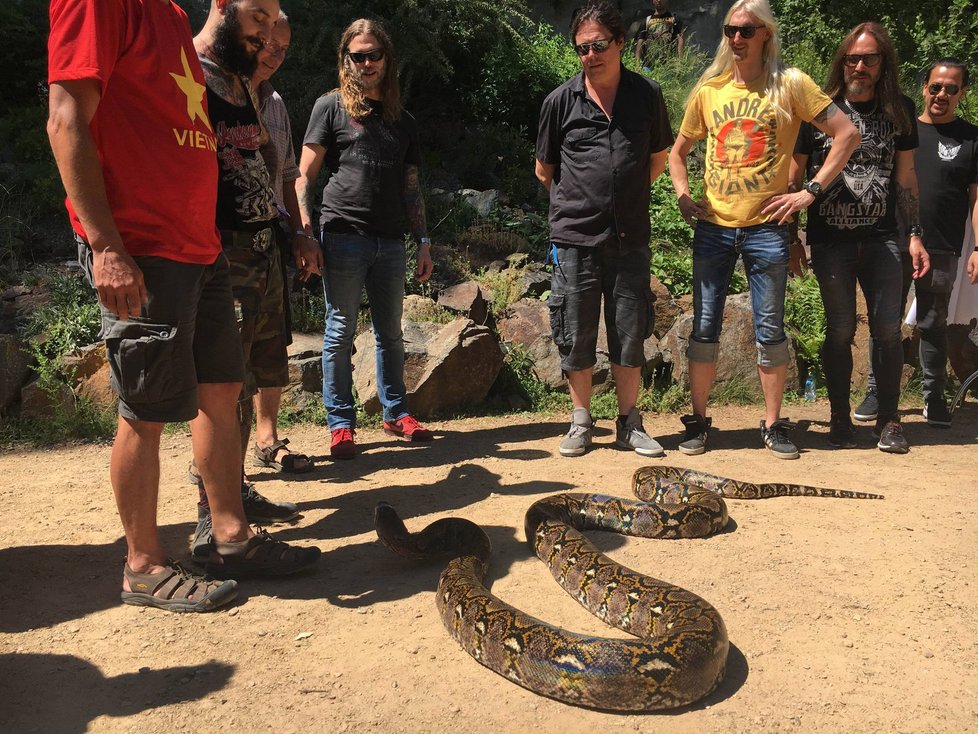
(15, 368)
(465, 299)
(446, 367)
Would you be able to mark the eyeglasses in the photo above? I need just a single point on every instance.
(869, 60)
(359, 57)
(599, 47)
(745, 31)
(936, 88)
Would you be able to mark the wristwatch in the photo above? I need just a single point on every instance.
(916, 231)
(814, 188)
(425, 241)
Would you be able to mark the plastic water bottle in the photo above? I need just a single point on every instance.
(810, 388)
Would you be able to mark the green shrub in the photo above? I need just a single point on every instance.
(71, 319)
(517, 376)
(804, 320)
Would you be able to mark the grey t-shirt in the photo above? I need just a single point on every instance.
(365, 161)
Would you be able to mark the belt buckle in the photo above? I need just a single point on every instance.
(262, 240)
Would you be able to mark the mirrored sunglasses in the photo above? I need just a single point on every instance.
(599, 47)
(936, 88)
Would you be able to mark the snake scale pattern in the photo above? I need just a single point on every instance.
(680, 644)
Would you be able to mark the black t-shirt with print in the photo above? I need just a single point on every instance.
(861, 203)
(365, 160)
(660, 31)
(947, 166)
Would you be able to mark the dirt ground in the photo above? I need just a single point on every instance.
(843, 615)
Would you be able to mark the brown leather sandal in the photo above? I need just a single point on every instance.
(259, 555)
(177, 590)
(289, 464)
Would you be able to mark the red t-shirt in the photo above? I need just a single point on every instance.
(154, 137)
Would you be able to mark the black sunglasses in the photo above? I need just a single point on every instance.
(746, 31)
(599, 47)
(869, 60)
(936, 88)
(358, 57)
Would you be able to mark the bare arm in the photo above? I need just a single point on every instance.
(545, 173)
(691, 210)
(908, 201)
(118, 279)
(310, 162)
(973, 258)
(658, 164)
(414, 206)
(845, 139)
(308, 257)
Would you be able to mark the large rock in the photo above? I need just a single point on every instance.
(97, 389)
(482, 201)
(446, 367)
(15, 368)
(43, 404)
(667, 309)
(79, 366)
(738, 351)
(526, 323)
(465, 299)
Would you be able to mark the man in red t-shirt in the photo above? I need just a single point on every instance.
(129, 128)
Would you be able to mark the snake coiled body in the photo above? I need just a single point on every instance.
(680, 648)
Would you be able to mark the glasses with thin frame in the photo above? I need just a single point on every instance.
(936, 88)
(359, 57)
(745, 31)
(599, 47)
(869, 60)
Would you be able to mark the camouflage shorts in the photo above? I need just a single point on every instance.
(257, 284)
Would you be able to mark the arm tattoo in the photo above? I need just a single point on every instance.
(908, 204)
(414, 202)
(823, 116)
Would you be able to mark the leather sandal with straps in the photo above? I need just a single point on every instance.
(177, 590)
(259, 555)
(290, 463)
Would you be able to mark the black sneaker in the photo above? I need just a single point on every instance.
(260, 510)
(697, 431)
(869, 409)
(842, 434)
(937, 414)
(891, 438)
(776, 439)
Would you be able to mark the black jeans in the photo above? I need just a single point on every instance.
(876, 265)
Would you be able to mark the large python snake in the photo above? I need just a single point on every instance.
(680, 651)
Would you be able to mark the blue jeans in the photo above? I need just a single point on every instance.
(875, 264)
(352, 263)
(764, 248)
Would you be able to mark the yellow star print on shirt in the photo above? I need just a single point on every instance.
(194, 91)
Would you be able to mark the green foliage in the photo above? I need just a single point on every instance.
(308, 309)
(804, 320)
(532, 226)
(84, 423)
(676, 75)
(517, 376)
(71, 319)
(673, 266)
(503, 287)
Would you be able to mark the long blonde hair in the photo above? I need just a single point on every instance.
(350, 91)
(778, 79)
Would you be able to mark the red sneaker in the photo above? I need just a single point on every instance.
(341, 444)
(407, 427)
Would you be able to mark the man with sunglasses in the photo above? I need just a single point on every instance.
(603, 138)
(371, 199)
(748, 106)
(853, 227)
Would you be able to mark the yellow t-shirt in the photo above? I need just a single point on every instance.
(747, 153)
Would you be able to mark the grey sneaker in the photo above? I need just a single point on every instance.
(697, 431)
(892, 440)
(776, 439)
(868, 409)
(578, 438)
(630, 434)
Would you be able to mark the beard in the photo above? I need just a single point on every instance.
(229, 44)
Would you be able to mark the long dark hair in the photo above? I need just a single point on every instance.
(351, 93)
(888, 93)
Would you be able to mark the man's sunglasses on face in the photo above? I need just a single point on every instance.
(869, 60)
(745, 31)
(599, 47)
(936, 88)
(358, 57)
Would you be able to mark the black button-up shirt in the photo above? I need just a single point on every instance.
(600, 191)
